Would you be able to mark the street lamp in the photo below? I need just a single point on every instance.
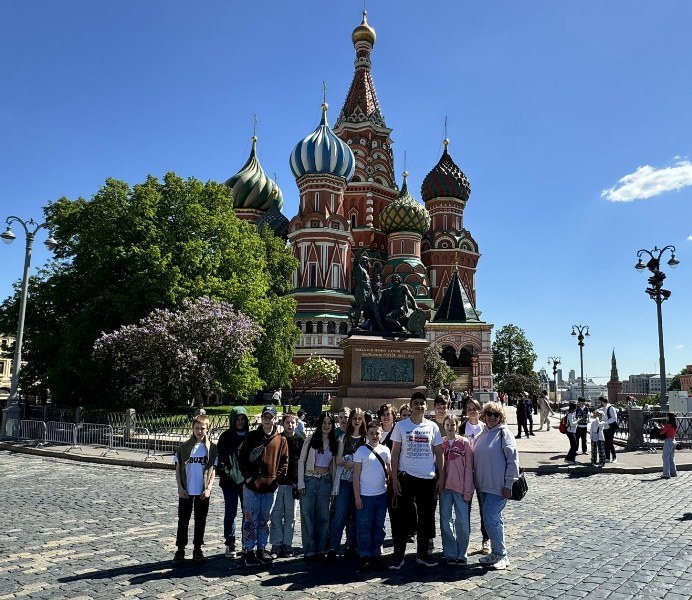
(555, 360)
(581, 331)
(12, 414)
(658, 295)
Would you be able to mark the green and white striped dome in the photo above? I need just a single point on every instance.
(251, 187)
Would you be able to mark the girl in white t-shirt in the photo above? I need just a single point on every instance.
(370, 476)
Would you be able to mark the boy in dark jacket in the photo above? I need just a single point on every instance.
(263, 459)
(230, 477)
(284, 512)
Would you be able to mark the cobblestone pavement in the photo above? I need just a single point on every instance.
(79, 530)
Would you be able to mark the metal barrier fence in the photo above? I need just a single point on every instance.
(33, 430)
(683, 437)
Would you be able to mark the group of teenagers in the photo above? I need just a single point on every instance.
(346, 476)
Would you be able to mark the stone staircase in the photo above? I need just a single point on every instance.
(464, 378)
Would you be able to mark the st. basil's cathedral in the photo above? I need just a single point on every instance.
(350, 205)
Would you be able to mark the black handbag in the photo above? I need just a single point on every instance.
(519, 486)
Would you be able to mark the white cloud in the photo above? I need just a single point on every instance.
(689, 238)
(679, 347)
(648, 181)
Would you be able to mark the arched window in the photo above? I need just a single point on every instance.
(299, 325)
(353, 221)
(320, 327)
(343, 328)
(331, 327)
(308, 327)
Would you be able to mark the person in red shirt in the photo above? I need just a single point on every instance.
(669, 430)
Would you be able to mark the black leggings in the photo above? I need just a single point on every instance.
(609, 446)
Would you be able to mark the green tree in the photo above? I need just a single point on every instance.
(437, 372)
(512, 353)
(674, 383)
(315, 371)
(516, 384)
(128, 251)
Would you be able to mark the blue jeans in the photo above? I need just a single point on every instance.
(455, 530)
(231, 496)
(669, 468)
(283, 517)
(492, 506)
(344, 516)
(370, 525)
(257, 509)
(314, 514)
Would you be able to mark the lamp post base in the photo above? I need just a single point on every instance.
(11, 416)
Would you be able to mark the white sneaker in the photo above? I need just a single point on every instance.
(485, 548)
(501, 564)
(614, 460)
(490, 559)
(230, 552)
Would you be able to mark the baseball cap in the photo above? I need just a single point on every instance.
(269, 409)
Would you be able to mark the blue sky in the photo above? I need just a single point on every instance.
(571, 120)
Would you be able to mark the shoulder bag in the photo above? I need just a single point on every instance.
(520, 486)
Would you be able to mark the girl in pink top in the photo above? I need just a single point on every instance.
(669, 430)
(458, 491)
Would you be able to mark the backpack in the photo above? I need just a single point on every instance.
(563, 425)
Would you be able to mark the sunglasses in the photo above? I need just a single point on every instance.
(495, 415)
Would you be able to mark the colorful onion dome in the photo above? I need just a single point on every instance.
(251, 187)
(323, 152)
(405, 214)
(445, 180)
(275, 220)
(364, 32)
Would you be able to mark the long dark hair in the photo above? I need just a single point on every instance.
(316, 439)
(672, 420)
(350, 429)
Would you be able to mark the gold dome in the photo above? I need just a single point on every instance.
(364, 32)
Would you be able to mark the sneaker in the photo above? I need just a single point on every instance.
(584, 452)
(197, 555)
(450, 562)
(485, 548)
(614, 460)
(431, 546)
(250, 559)
(282, 552)
(501, 564)
(396, 563)
(263, 557)
(178, 557)
(351, 553)
(532, 433)
(230, 552)
(490, 559)
(662, 477)
(462, 561)
(426, 561)
(594, 464)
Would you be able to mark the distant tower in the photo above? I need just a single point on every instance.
(614, 385)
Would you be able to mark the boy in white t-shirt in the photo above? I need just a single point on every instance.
(371, 471)
(597, 439)
(195, 470)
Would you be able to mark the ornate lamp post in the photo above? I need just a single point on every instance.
(581, 331)
(658, 295)
(12, 414)
(555, 360)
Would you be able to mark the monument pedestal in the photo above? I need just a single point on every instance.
(380, 369)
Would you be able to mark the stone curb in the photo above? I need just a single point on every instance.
(608, 470)
(105, 460)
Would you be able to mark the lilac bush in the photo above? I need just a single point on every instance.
(185, 354)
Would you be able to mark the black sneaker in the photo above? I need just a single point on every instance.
(178, 557)
(397, 563)
(351, 553)
(197, 555)
(250, 559)
(426, 561)
(263, 557)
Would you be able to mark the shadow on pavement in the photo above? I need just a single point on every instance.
(685, 517)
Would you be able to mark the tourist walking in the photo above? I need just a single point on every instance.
(495, 468)
(545, 410)
(521, 416)
(610, 418)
